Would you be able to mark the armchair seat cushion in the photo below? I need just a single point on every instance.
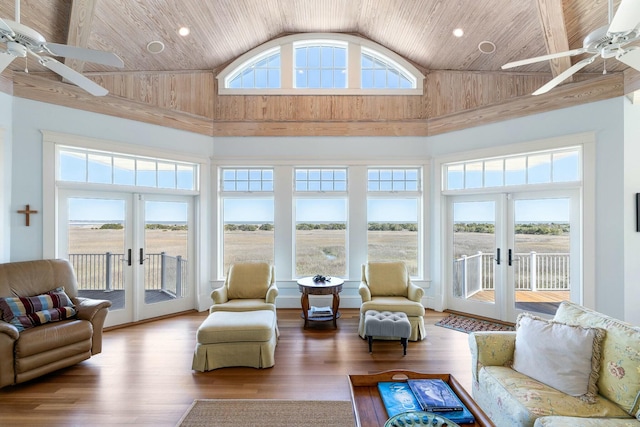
(410, 308)
(243, 305)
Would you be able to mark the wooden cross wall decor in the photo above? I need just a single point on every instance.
(27, 211)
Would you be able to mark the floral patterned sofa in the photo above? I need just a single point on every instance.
(511, 398)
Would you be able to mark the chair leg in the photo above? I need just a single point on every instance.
(370, 339)
(403, 341)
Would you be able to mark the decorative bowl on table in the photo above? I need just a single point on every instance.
(320, 278)
(419, 418)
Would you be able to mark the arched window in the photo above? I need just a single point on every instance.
(320, 64)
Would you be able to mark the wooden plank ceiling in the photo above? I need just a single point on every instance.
(221, 30)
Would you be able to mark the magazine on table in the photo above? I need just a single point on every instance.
(321, 311)
(398, 397)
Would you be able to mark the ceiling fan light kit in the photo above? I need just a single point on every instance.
(21, 41)
(607, 42)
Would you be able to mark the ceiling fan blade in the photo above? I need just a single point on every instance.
(73, 76)
(627, 17)
(565, 74)
(631, 57)
(5, 60)
(6, 29)
(544, 58)
(83, 54)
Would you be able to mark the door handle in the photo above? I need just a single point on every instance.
(498, 256)
(129, 257)
(141, 256)
(510, 257)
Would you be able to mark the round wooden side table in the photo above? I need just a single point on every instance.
(307, 287)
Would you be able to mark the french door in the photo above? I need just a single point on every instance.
(133, 249)
(514, 252)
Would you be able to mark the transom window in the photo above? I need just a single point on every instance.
(320, 63)
(544, 167)
(247, 180)
(101, 167)
(321, 180)
(393, 179)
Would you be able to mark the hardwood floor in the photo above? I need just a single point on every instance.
(143, 376)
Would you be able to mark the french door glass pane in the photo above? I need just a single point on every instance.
(96, 248)
(166, 251)
(474, 246)
(541, 259)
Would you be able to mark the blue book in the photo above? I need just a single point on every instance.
(398, 398)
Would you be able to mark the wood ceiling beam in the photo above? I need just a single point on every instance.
(82, 13)
(554, 32)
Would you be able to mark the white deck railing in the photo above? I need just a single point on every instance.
(532, 272)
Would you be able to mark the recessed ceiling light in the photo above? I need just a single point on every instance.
(458, 32)
(184, 31)
(486, 46)
(155, 47)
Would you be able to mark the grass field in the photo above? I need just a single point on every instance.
(317, 251)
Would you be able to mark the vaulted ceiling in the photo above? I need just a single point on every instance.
(222, 30)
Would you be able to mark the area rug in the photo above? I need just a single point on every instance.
(470, 324)
(268, 413)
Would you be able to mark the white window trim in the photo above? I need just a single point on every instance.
(354, 50)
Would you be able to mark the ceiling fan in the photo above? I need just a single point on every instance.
(21, 41)
(607, 42)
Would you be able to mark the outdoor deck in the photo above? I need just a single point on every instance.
(117, 297)
(538, 301)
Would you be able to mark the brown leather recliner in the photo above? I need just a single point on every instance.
(45, 348)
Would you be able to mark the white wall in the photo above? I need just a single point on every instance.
(616, 285)
(31, 117)
(6, 107)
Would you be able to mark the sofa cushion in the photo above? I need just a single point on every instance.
(250, 280)
(553, 421)
(387, 278)
(27, 312)
(620, 370)
(572, 367)
(517, 399)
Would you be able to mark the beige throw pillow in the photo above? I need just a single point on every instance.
(561, 356)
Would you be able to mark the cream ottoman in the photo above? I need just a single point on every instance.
(228, 338)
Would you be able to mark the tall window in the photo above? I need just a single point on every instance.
(320, 222)
(247, 215)
(393, 213)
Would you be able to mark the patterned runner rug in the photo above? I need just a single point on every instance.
(470, 324)
(268, 413)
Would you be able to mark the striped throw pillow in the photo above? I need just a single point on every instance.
(27, 312)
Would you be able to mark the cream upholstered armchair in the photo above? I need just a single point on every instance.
(248, 287)
(386, 286)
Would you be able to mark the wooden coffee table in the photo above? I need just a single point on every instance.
(369, 408)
